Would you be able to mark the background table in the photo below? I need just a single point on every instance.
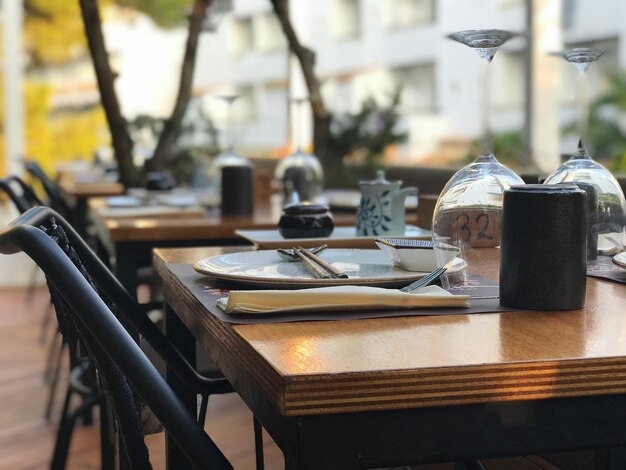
(380, 392)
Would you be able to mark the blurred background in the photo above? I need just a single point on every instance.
(396, 89)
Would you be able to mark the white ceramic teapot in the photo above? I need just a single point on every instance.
(381, 211)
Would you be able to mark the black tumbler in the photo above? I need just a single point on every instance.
(543, 247)
(237, 190)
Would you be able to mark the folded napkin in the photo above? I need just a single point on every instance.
(337, 298)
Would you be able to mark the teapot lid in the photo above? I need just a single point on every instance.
(380, 179)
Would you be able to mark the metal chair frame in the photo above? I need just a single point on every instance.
(93, 313)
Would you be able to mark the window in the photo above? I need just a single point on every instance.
(268, 35)
(244, 109)
(345, 19)
(239, 36)
(418, 88)
(505, 4)
(406, 13)
(508, 80)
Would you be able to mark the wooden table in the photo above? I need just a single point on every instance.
(81, 193)
(405, 390)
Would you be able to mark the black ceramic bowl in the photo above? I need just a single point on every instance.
(305, 220)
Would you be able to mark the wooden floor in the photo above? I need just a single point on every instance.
(26, 439)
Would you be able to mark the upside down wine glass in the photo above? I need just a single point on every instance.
(228, 157)
(469, 210)
(606, 203)
(300, 175)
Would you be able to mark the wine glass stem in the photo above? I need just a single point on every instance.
(486, 144)
(230, 138)
(297, 122)
(583, 107)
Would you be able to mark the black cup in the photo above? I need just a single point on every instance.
(237, 190)
(543, 248)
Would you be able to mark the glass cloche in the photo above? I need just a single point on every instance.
(607, 221)
(468, 214)
(302, 173)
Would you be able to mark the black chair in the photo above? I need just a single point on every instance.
(24, 198)
(22, 195)
(80, 293)
(52, 191)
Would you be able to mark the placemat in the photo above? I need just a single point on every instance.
(604, 268)
(208, 290)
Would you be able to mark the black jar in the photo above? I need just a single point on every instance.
(305, 220)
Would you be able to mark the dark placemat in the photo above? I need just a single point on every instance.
(208, 291)
(604, 268)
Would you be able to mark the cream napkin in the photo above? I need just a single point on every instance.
(337, 298)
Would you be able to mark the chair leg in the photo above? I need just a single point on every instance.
(45, 323)
(258, 444)
(107, 436)
(54, 382)
(30, 291)
(66, 427)
(56, 342)
(203, 406)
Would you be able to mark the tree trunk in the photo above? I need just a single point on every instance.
(122, 143)
(164, 150)
(322, 136)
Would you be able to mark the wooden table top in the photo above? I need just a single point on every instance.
(90, 189)
(212, 225)
(407, 362)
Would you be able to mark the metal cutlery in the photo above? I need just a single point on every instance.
(290, 255)
(426, 280)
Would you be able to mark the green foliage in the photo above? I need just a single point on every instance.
(606, 139)
(187, 159)
(165, 13)
(508, 147)
(369, 131)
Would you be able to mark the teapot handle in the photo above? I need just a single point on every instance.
(409, 191)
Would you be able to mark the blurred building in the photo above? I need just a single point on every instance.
(369, 47)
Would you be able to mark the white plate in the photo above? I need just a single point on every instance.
(123, 201)
(620, 259)
(342, 237)
(177, 200)
(264, 268)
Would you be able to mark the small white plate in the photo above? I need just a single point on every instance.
(177, 200)
(620, 259)
(264, 268)
(123, 201)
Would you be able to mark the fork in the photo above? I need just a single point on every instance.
(426, 280)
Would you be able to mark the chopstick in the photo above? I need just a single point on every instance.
(336, 273)
(311, 265)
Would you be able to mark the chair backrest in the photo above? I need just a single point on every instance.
(118, 358)
(132, 315)
(53, 193)
(20, 193)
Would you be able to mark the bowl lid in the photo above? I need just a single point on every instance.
(304, 208)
